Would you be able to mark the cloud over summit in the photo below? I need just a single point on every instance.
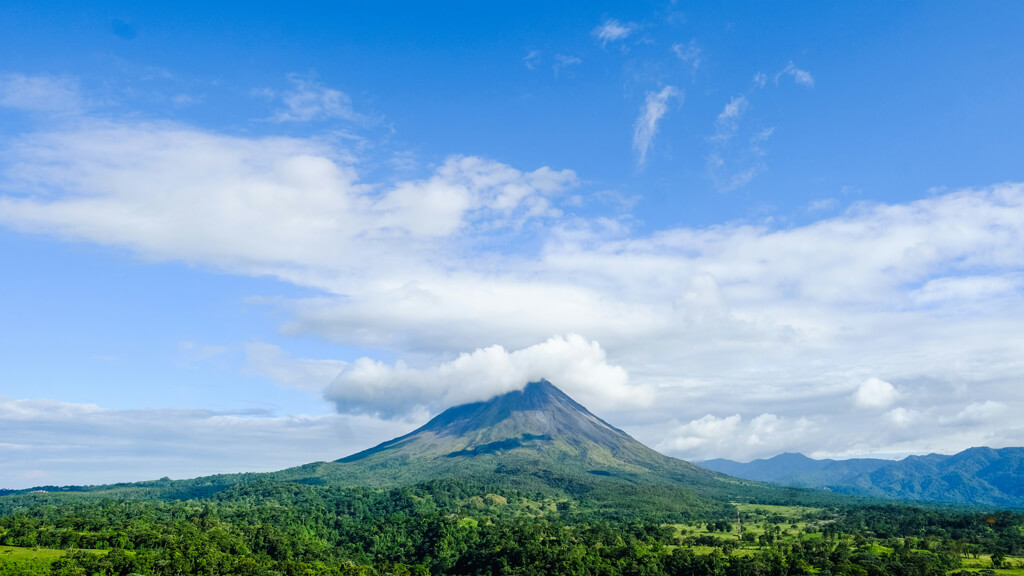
(577, 366)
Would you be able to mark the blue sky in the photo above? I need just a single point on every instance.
(726, 227)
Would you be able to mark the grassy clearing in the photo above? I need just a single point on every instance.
(788, 512)
(984, 562)
(16, 553)
(21, 561)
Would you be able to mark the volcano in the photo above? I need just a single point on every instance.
(537, 443)
(539, 423)
(536, 439)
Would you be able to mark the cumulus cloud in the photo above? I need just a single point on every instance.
(711, 436)
(875, 394)
(308, 100)
(654, 109)
(612, 31)
(50, 442)
(902, 417)
(577, 366)
(123, 185)
(54, 94)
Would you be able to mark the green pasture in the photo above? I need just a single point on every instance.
(1012, 565)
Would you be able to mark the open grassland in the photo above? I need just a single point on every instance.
(17, 561)
(1012, 565)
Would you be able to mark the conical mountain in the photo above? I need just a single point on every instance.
(534, 438)
(539, 419)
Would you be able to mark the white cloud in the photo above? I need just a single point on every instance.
(801, 77)
(725, 176)
(731, 318)
(575, 365)
(967, 289)
(55, 94)
(123, 185)
(711, 437)
(689, 54)
(875, 394)
(822, 205)
(977, 413)
(612, 31)
(734, 109)
(902, 417)
(654, 109)
(732, 165)
(309, 100)
(468, 189)
(66, 443)
(310, 375)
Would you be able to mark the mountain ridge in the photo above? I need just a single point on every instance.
(976, 476)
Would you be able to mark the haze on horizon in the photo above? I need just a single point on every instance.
(245, 239)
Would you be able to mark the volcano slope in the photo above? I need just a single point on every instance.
(541, 440)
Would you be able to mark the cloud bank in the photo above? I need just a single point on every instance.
(48, 442)
(890, 314)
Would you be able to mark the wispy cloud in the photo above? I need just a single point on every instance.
(654, 109)
(612, 31)
(54, 94)
(563, 61)
(690, 54)
(308, 100)
(531, 59)
(733, 165)
(733, 110)
(822, 204)
(306, 374)
(801, 77)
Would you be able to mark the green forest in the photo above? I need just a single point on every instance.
(463, 527)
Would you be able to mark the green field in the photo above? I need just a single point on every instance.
(18, 561)
(984, 562)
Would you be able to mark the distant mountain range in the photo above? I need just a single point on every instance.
(983, 476)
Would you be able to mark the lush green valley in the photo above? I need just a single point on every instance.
(457, 527)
